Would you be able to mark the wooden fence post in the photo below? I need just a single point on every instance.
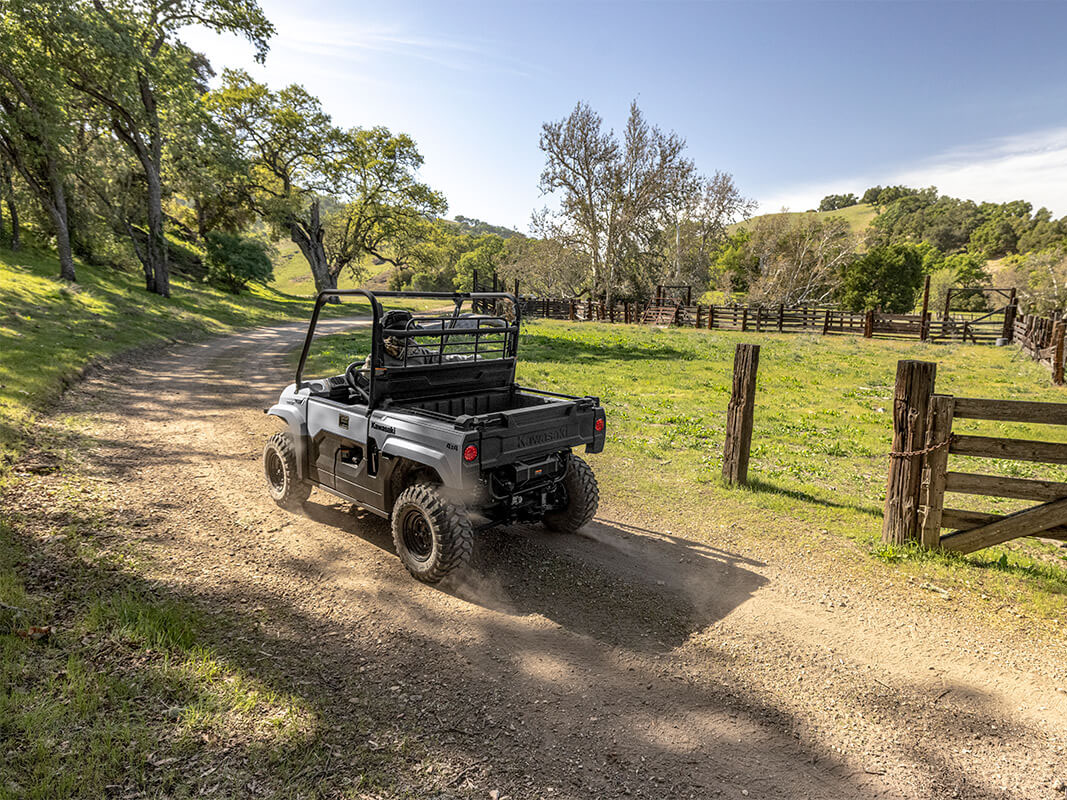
(938, 430)
(826, 322)
(626, 312)
(781, 316)
(739, 415)
(759, 318)
(711, 317)
(744, 318)
(868, 325)
(1057, 353)
(911, 400)
(1009, 317)
(571, 315)
(924, 324)
(698, 325)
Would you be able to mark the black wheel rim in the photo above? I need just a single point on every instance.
(275, 471)
(416, 535)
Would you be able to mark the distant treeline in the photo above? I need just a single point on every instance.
(1030, 247)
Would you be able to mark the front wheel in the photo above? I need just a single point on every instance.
(279, 466)
(580, 498)
(433, 536)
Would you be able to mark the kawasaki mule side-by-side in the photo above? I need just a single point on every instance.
(431, 431)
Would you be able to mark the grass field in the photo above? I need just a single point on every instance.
(858, 216)
(822, 430)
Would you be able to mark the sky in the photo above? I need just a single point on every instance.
(795, 99)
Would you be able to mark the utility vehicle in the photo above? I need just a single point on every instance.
(432, 432)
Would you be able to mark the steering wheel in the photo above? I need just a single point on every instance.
(357, 380)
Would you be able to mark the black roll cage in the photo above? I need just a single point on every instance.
(458, 298)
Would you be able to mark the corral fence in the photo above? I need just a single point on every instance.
(672, 305)
(818, 320)
(919, 474)
(1040, 337)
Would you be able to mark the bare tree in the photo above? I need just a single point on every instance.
(546, 266)
(653, 180)
(707, 219)
(797, 260)
(580, 159)
(619, 198)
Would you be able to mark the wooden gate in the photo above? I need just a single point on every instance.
(919, 474)
(973, 530)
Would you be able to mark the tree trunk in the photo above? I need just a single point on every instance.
(201, 219)
(307, 235)
(12, 209)
(156, 247)
(60, 218)
(16, 227)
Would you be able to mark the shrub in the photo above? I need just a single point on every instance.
(884, 278)
(233, 261)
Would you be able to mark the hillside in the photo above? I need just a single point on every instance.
(292, 276)
(858, 216)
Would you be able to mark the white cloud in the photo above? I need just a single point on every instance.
(334, 40)
(1030, 167)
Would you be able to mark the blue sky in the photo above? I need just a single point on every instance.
(795, 99)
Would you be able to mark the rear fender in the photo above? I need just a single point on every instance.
(439, 462)
(294, 419)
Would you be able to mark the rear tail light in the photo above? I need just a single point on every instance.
(599, 425)
(470, 453)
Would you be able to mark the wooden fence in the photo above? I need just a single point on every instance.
(919, 475)
(1041, 338)
(781, 319)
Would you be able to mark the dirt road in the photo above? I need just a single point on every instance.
(630, 662)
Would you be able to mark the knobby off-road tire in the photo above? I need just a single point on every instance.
(279, 466)
(433, 536)
(582, 498)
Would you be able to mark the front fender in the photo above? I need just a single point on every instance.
(294, 419)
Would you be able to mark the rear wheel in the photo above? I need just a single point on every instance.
(580, 498)
(279, 466)
(433, 536)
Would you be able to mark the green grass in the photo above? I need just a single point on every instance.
(859, 216)
(822, 429)
(132, 693)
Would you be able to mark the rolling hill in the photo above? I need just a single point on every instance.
(858, 216)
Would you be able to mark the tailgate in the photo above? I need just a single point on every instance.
(516, 434)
